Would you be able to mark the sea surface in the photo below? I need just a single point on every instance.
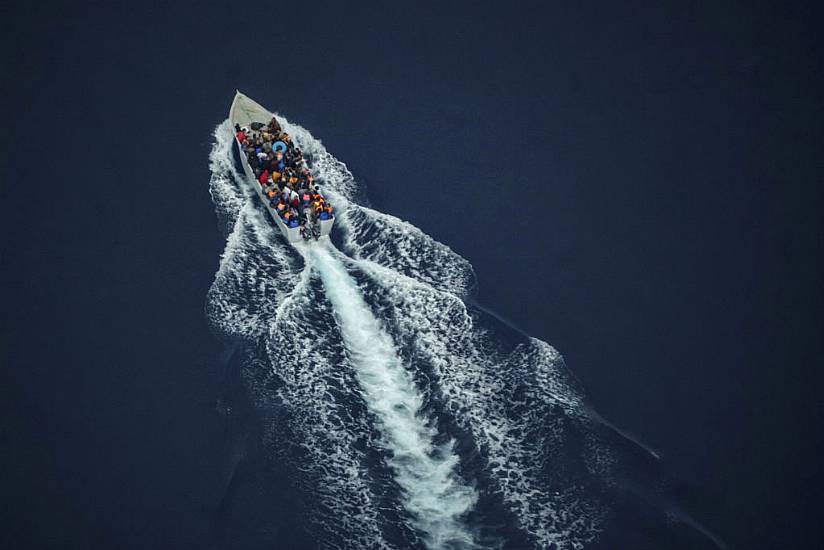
(573, 297)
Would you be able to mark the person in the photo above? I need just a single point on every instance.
(317, 207)
(264, 178)
(240, 135)
(254, 163)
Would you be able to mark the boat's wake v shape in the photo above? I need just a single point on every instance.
(409, 419)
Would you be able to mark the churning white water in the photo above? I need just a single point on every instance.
(432, 493)
(348, 356)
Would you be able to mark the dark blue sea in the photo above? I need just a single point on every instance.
(572, 299)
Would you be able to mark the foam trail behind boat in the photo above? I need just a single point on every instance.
(433, 494)
(361, 350)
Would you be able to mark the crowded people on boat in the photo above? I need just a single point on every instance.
(282, 174)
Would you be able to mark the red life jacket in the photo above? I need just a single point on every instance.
(241, 136)
(264, 177)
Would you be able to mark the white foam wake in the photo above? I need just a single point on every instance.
(325, 336)
(517, 405)
(432, 493)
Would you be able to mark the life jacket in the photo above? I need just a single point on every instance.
(271, 194)
(264, 177)
(275, 176)
(306, 198)
(281, 206)
(241, 137)
(293, 180)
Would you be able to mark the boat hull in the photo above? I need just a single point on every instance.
(245, 111)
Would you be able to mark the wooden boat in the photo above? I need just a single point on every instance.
(245, 112)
